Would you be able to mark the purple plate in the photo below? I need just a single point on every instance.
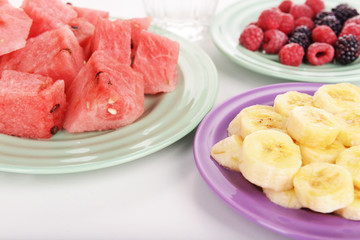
(246, 198)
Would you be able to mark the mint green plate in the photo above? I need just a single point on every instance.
(229, 23)
(167, 118)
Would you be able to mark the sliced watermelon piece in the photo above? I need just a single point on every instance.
(114, 38)
(83, 31)
(47, 15)
(156, 59)
(137, 25)
(54, 53)
(14, 28)
(90, 14)
(32, 105)
(105, 95)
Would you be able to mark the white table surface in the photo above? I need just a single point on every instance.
(161, 196)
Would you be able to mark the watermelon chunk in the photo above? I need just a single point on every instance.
(31, 105)
(90, 14)
(54, 53)
(47, 15)
(114, 38)
(14, 28)
(156, 59)
(137, 25)
(83, 31)
(105, 95)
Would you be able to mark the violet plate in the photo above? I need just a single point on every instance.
(248, 199)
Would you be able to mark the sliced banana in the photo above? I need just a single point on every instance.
(312, 126)
(254, 118)
(324, 187)
(351, 211)
(350, 159)
(349, 121)
(227, 152)
(270, 159)
(285, 102)
(336, 98)
(285, 199)
(327, 154)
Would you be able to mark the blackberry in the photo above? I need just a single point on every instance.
(300, 38)
(332, 22)
(346, 49)
(344, 11)
(321, 15)
(302, 29)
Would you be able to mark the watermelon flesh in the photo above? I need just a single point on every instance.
(89, 14)
(114, 38)
(14, 28)
(32, 105)
(54, 53)
(156, 59)
(47, 15)
(83, 31)
(105, 95)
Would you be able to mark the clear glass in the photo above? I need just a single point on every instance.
(187, 18)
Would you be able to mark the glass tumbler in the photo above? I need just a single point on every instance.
(187, 18)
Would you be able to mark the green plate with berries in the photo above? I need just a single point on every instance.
(230, 22)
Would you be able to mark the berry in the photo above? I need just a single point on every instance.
(285, 6)
(269, 19)
(321, 15)
(331, 21)
(316, 5)
(320, 53)
(303, 29)
(346, 49)
(301, 10)
(287, 23)
(273, 40)
(324, 34)
(251, 37)
(355, 19)
(301, 39)
(291, 54)
(304, 21)
(351, 28)
(343, 12)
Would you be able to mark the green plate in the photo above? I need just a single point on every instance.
(229, 23)
(167, 118)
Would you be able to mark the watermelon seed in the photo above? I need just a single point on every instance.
(75, 27)
(109, 82)
(97, 76)
(54, 130)
(54, 108)
(112, 111)
(66, 49)
(2, 40)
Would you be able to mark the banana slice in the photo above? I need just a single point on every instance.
(254, 118)
(350, 159)
(285, 102)
(349, 120)
(321, 154)
(351, 211)
(336, 98)
(227, 152)
(324, 187)
(285, 199)
(312, 126)
(270, 159)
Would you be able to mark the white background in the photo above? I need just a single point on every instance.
(161, 196)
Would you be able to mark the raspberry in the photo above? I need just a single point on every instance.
(316, 5)
(355, 19)
(324, 34)
(251, 37)
(287, 23)
(285, 6)
(301, 10)
(269, 19)
(351, 28)
(291, 54)
(343, 12)
(273, 40)
(304, 21)
(320, 53)
(346, 49)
